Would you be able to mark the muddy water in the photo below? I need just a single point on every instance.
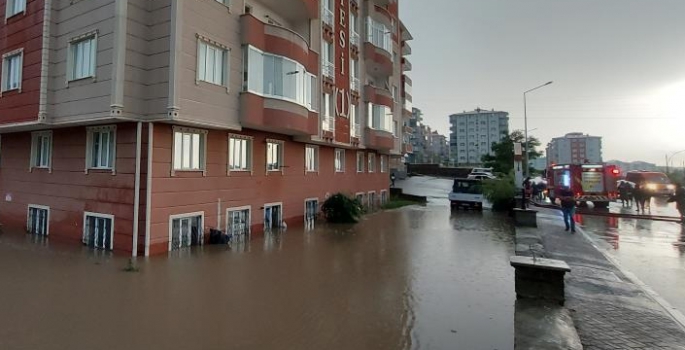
(415, 278)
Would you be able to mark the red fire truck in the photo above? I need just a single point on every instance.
(594, 183)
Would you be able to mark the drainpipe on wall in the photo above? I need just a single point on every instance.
(119, 58)
(148, 187)
(45, 62)
(136, 195)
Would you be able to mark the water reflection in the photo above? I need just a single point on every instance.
(397, 280)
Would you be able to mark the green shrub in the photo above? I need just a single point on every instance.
(341, 209)
(500, 192)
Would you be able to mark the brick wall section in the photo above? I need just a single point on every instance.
(188, 192)
(67, 190)
(24, 30)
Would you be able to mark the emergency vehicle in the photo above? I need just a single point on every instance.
(594, 183)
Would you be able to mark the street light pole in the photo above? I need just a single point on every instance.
(525, 129)
(670, 158)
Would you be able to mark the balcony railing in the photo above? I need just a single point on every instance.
(327, 16)
(354, 38)
(328, 69)
(328, 123)
(355, 84)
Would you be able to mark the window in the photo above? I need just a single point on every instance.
(37, 220)
(238, 221)
(395, 128)
(98, 230)
(224, 2)
(360, 198)
(339, 160)
(384, 197)
(311, 158)
(273, 217)
(239, 153)
(189, 149)
(14, 7)
(279, 77)
(372, 200)
(101, 147)
(372, 162)
(379, 35)
(185, 230)
(327, 59)
(384, 164)
(11, 70)
(274, 155)
(360, 162)
(380, 117)
(212, 63)
(82, 57)
(41, 149)
(311, 211)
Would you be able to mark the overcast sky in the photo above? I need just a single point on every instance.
(618, 68)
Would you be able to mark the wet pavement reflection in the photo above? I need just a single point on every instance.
(414, 278)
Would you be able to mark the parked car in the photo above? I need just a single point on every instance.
(467, 193)
(481, 176)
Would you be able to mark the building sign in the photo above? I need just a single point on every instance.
(342, 78)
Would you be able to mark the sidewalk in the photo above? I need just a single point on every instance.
(608, 309)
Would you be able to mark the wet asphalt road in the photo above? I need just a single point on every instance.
(413, 278)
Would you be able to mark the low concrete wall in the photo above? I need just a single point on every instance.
(437, 170)
(398, 193)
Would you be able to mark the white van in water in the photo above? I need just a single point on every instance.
(467, 193)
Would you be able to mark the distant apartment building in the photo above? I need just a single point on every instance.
(472, 134)
(574, 148)
(539, 163)
(138, 126)
(439, 150)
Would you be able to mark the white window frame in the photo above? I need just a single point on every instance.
(202, 155)
(226, 3)
(371, 202)
(112, 129)
(360, 162)
(47, 218)
(341, 161)
(384, 164)
(36, 138)
(362, 200)
(86, 214)
(281, 156)
(201, 214)
(273, 204)
(249, 154)
(316, 214)
(71, 59)
(383, 198)
(11, 8)
(235, 209)
(315, 161)
(6, 74)
(225, 75)
(371, 160)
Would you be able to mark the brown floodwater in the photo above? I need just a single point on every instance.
(414, 278)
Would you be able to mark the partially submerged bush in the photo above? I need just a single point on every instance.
(340, 208)
(500, 192)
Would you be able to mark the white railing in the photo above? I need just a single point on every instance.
(328, 123)
(354, 38)
(355, 84)
(328, 69)
(327, 16)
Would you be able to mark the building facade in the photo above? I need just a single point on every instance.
(472, 135)
(138, 126)
(574, 148)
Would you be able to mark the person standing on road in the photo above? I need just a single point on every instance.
(624, 193)
(679, 199)
(568, 207)
(392, 180)
(639, 197)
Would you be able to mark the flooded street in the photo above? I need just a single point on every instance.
(413, 278)
(653, 250)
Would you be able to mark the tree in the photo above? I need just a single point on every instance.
(503, 159)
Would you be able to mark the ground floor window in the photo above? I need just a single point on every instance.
(238, 221)
(98, 230)
(38, 218)
(372, 200)
(311, 211)
(384, 197)
(360, 198)
(273, 215)
(186, 230)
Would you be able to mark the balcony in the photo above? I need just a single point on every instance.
(379, 140)
(382, 15)
(294, 10)
(354, 38)
(276, 115)
(407, 148)
(407, 106)
(406, 36)
(327, 16)
(355, 130)
(378, 61)
(278, 40)
(406, 65)
(328, 123)
(406, 48)
(328, 69)
(355, 84)
(378, 96)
